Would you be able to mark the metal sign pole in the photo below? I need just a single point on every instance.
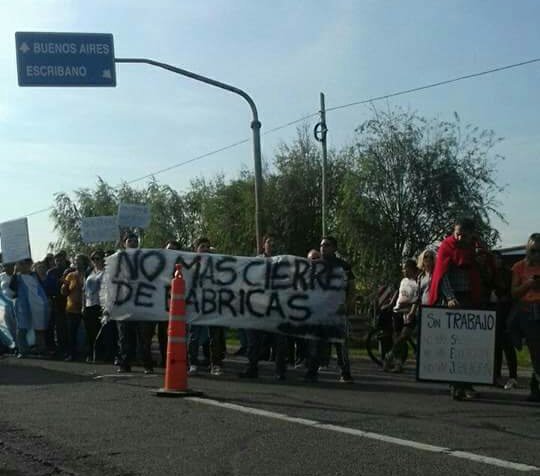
(255, 126)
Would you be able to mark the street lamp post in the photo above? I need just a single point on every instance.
(255, 126)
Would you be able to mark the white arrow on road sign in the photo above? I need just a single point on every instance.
(66, 59)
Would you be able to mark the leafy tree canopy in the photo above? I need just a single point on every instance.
(397, 189)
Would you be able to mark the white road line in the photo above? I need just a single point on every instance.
(368, 434)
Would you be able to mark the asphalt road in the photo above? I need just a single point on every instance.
(67, 419)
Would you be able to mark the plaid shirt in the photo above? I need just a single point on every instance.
(455, 280)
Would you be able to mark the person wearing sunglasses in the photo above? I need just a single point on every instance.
(526, 320)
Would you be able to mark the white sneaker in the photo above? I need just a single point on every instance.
(511, 384)
(216, 370)
(193, 370)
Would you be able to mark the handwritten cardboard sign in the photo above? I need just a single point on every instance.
(99, 229)
(15, 240)
(457, 345)
(133, 216)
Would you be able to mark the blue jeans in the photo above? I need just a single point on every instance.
(197, 334)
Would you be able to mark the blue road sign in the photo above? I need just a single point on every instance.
(65, 59)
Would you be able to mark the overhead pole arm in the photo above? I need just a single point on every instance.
(255, 126)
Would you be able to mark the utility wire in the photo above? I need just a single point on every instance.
(37, 212)
(194, 159)
(213, 152)
(335, 108)
(296, 121)
(434, 85)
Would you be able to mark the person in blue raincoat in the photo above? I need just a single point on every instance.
(8, 327)
(31, 308)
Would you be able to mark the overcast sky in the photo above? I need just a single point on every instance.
(283, 53)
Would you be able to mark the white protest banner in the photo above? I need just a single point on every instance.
(285, 294)
(133, 216)
(15, 240)
(456, 345)
(99, 229)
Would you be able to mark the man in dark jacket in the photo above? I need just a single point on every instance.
(328, 251)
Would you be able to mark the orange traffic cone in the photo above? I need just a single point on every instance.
(176, 366)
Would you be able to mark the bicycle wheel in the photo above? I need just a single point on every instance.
(374, 346)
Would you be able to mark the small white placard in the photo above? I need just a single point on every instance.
(133, 216)
(99, 229)
(15, 240)
(456, 345)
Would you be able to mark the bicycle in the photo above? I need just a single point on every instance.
(380, 338)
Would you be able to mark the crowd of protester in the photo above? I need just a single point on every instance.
(464, 274)
(46, 302)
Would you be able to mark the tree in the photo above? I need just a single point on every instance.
(410, 178)
(397, 189)
(292, 195)
(223, 212)
(169, 217)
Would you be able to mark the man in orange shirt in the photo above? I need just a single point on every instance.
(72, 289)
(526, 289)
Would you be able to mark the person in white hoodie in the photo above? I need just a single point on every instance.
(403, 317)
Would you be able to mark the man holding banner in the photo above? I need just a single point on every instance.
(129, 332)
(216, 334)
(257, 339)
(282, 294)
(328, 251)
